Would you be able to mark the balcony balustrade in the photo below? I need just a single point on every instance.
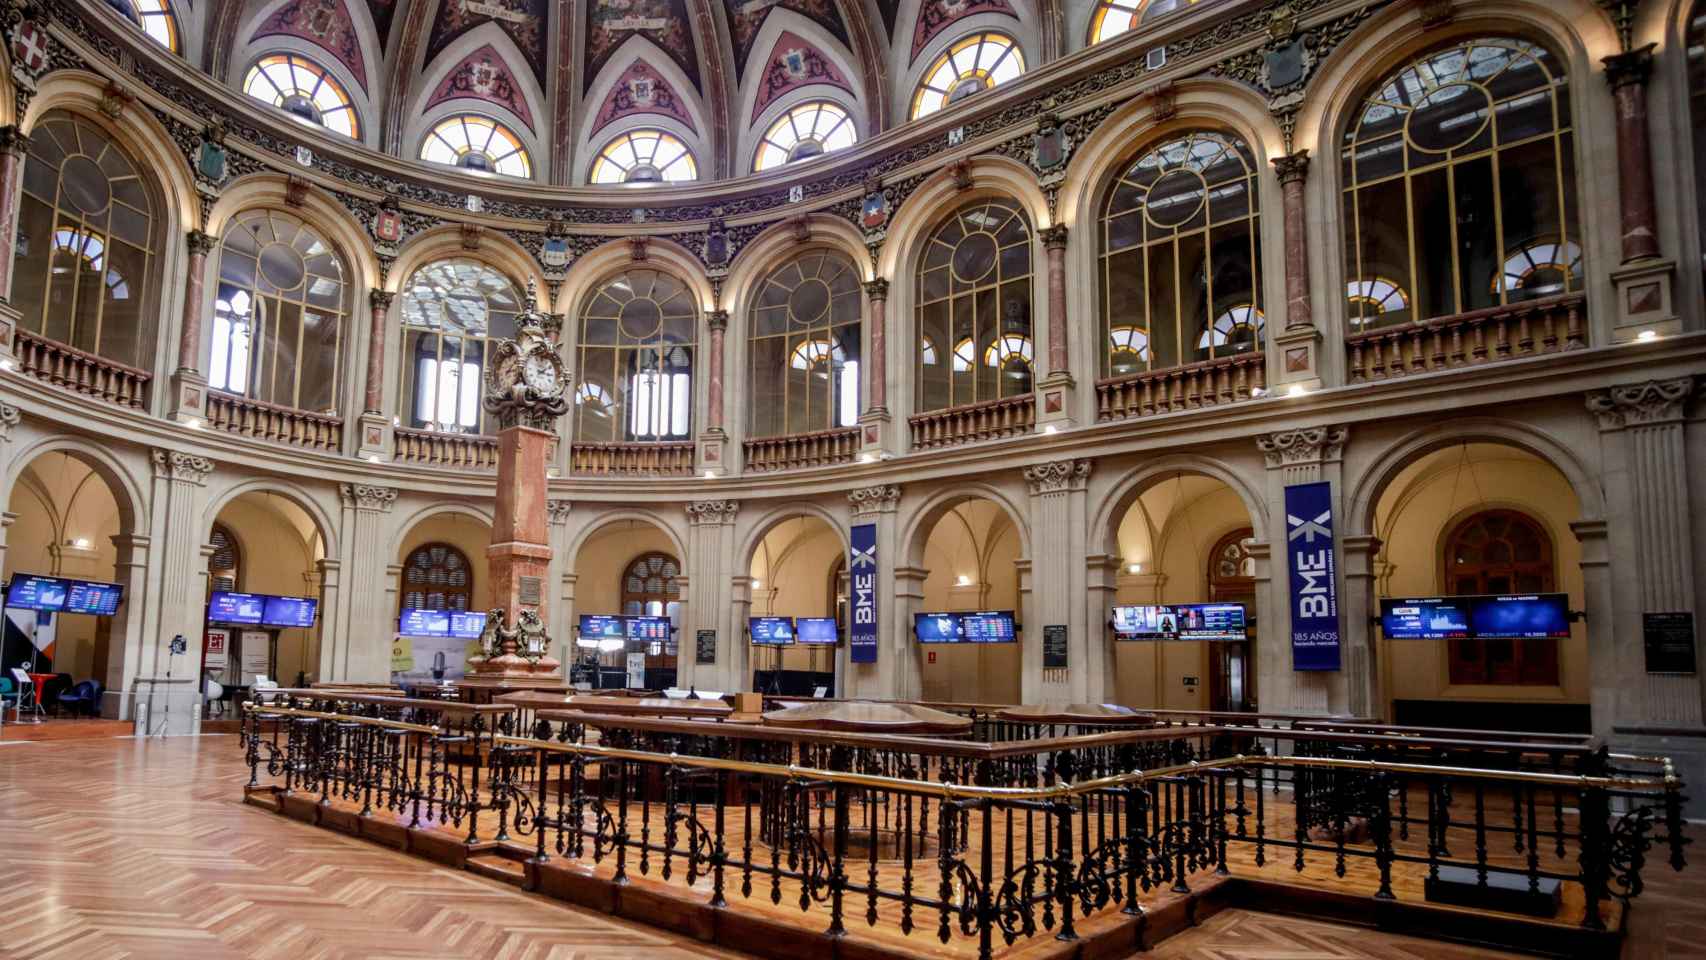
(1515, 330)
(1211, 383)
(81, 372)
(258, 420)
(458, 451)
(991, 420)
(820, 449)
(631, 459)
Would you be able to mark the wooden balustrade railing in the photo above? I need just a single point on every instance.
(1210, 383)
(80, 371)
(991, 420)
(632, 459)
(259, 420)
(1526, 329)
(461, 451)
(820, 449)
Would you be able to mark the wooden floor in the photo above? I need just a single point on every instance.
(65, 728)
(1246, 935)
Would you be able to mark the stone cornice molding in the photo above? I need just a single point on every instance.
(1631, 67)
(381, 300)
(1053, 236)
(717, 320)
(557, 511)
(870, 501)
(185, 467)
(367, 496)
(1306, 445)
(1293, 166)
(200, 244)
(1641, 404)
(712, 512)
(877, 289)
(1057, 476)
(10, 417)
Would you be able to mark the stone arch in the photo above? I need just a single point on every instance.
(922, 519)
(1105, 523)
(291, 492)
(125, 486)
(779, 514)
(331, 219)
(588, 138)
(496, 250)
(677, 536)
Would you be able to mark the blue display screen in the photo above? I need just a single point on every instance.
(937, 627)
(1147, 622)
(1210, 621)
(649, 629)
(598, 626)
(988, 626)
(817, 630)
(773, 631)
(37, 593)
(226, 607)
(467, 626)
(424, 623)
(1426, 618)
(1523, 617)
(289, 611)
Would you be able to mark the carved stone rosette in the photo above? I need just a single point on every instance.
(365, 496)
(1641, 404)
(712, 512)
(869, 501)
(1305, 445)
(186, 467)
(1057, 476)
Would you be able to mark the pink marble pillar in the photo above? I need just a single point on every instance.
(379, 306)
(13, 146)
(718, 322)
(1054, 243)
(1627, 73)
(1292, 171)
(189, 340)
(876, 365)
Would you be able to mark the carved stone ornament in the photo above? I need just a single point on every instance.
(1307, 445)
(877, 289)
(9, 418)
(1057, 476)
(712, 512)
(1641, 404)
(873, 500)
(367, 496)
(182, 466)
(492, 638)
(526, 380)
(1051, 145)
(529, 636)
(557, 511)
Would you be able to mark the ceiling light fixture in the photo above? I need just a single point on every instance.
(1647, 335)
(1296, 390)
(1134, 568)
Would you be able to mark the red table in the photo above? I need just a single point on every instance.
(38, 681)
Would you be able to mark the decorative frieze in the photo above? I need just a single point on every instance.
(367, 496)
(869, 501)
(712, 512)
(557, 512)
(187, 467)
(1305, 445)
(9, 418)
(1057, 476)
(1641, 404)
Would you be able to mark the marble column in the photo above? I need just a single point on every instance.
(175, 521)
(379, 311)
(189, 338)
(1647, 481)
(1054, 245)
(362, 653)
(1627, 73)
(873, 423)
(897, 657)
(14, 146)
(710, 599)
(713, 440)
(1293, 171)
(331, 608)
(1059, 520)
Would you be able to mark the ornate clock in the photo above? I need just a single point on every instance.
(526, 381)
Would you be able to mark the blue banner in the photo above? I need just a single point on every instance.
(1313, 566)
(862, 583)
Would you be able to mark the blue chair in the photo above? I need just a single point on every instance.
(83, 698)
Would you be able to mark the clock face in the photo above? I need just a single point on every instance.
(540, 374)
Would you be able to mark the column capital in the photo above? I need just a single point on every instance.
(1305, 445)
(14, 141)
(1053, 236)
(9, 418)
(381, 300)
(877, 289)
(366, 496)
(712, 512)
(200, 244)
(717, 320)
(1641, 404)
(1057, 476)
(1631, 67)
(1292, 166)
(175, 465)
(557, 512)
(870, 501)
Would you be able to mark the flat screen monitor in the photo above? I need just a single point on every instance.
(771, 631)
(1146, 622)
(289, 611)
(243, 608)
(93, 597)
(822, 630)
(649, 629)
(467, 625)
(1520, 617)
(597, 626)
(1425, 618)
(37, 593)
(1211, 621)
(937, 627)
(424, 623)
(988, 626)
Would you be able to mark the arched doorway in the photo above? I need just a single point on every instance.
(442, 566)
(972, 553)
(264, 542)
(793, 573)
(629, 567)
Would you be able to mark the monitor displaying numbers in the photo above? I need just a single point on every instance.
(822, 630)
(289, 611)
(1425, 618)
(466, 625)
(988, 626)
(1531, 616)
(243, 608)
(649, 629)
(936, 627)
(771, 631)
(61, 595)
(424, 623)
(1210, 621)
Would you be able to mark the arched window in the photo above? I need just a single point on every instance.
(155, 17)
(473, 142)
(87, 238)
(1696, 59)
(1500, 551)
(644, 156)
(1231, 569)
(1114, 17)
(807, 130)
(452, 310)
(278, 317)
(1180, 245)
(225, 564)
(804, 349)
(1460, 177)
(303, 89)
(437, 577)
(970, 64)
(651, 588)
(636, 360)
(974, 291)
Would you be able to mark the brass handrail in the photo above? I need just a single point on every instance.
(262, 708)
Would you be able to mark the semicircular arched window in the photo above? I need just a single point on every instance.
(969, 65)
(87, 242)
(1460, 184)
(803, 349)
(1180, 244)
(437, 576)
(974, 291)
(279, 313)
(636, 360)
(807, 130)
(1500, 552)
(452, 311)
(478, 143)
(1114, 17)
(155, 17)
(305, 90)
(644, 156)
